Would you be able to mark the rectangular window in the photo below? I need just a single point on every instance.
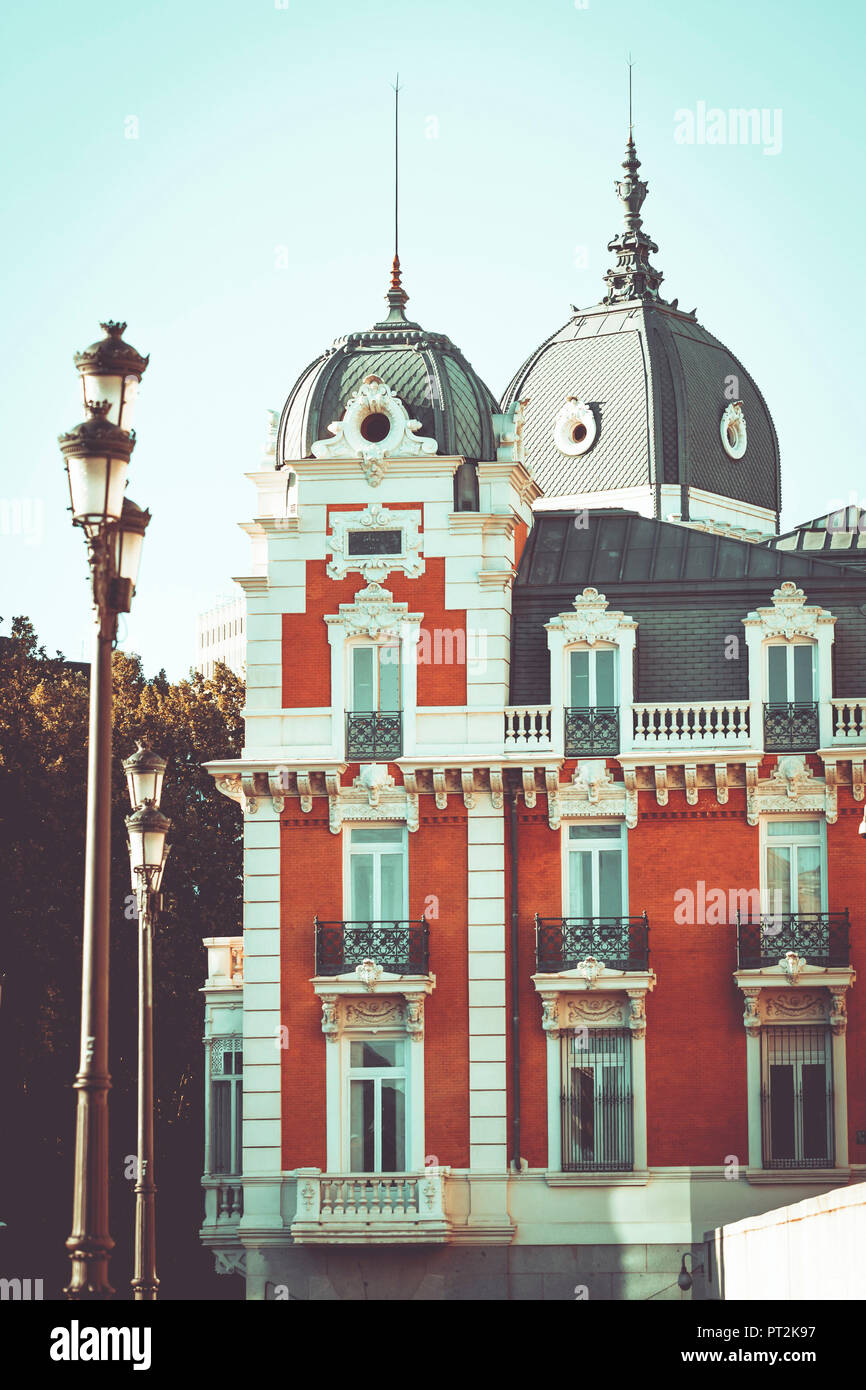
(797, 1097)
(376, 678)
(377, 1106)
(791, 673)
(794, 877)
(597, 1101)
(226, 1106)
(596, 871)
(378, 871)
(593, 678)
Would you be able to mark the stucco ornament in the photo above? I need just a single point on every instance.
(509, 433)
(792, 773)
(793, 966)
(373, 613)
(575, 428)
(790, 615)
(408, 559)
(368, 973)
(590, 970)
(374, 778)
(375, 427)
(590, 622)
(732, 428)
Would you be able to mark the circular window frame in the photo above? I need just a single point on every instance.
(575, 415)
(733, 422)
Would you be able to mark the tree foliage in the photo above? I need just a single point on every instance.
(43, 793)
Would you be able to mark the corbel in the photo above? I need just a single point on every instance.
(831, 805)
(276, 787)
(248, 790)
(857, 779)
(551, 782)
(496, 789)
(467, 778)
(529, 786)
(630, 782)
(335, 817)
(691, 777)
(661, 776)
(752, 793)
(410, 782)
(721, 783)
(305, 791)
(440, 789)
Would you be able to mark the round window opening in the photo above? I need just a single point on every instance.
(578, 434)
(375, 427)
(733, 430)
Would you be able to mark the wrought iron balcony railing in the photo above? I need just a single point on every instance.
(591, 731)
(620, 943)
(401, 948)
(791, 727)
(820, 938)
(374, 734)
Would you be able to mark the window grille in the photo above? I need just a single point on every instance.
(797, 1097)
(597, 1108)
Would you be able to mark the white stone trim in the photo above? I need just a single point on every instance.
(590, 625)
(409, 560)
(488, 1130)
(787, 619)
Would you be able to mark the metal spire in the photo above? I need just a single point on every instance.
(633, 276)
(396, 297)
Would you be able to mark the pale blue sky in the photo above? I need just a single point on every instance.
(263, 127)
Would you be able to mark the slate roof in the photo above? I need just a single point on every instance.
(838, 536)
(431, 376)
(687, 590)
(657, 381)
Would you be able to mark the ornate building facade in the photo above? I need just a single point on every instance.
(553, 770)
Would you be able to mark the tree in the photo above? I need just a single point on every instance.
(43, 792)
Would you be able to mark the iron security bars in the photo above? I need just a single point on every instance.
(620, 943)
(821, 938)
(797, 1097)
(591, 730)
(791, 727)
(597, 1103)
(401, 948)
(370, 734)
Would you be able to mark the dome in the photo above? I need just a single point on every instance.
(431, 376)
(636, 393)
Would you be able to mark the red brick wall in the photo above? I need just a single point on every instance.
(307, 652)
(438, 869)
(846, 879)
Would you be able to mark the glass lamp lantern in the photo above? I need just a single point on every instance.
(97, 455)
(111, 370)
(127, 540)
(147, 828)
(145, 771)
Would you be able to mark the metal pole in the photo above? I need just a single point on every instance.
(90, 1243)
(144, 1281)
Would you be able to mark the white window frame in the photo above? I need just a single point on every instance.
(765, 841)
(375, 1074)
(592, 652)
(790, 645)
(234, 1046)
(829, 1065)
(376, 648)
(598, 1071)
(377, 851)
(621, 844)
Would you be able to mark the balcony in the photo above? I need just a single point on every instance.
(374, 736)
(527, 728)
(849, 721)
(592, 732)
(370, 1209)
(694, 724)
(400, 948)
(791, 727)
(619, 943)
(820, 938)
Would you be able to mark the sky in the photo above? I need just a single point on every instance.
(220, 176)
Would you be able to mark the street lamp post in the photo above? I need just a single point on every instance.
(97, 454)
(148, 852)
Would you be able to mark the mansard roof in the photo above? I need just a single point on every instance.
(688, 590)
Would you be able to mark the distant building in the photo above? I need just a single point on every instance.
(221, 636)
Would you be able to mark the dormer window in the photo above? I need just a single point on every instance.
(592, 714)
(791, 708)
